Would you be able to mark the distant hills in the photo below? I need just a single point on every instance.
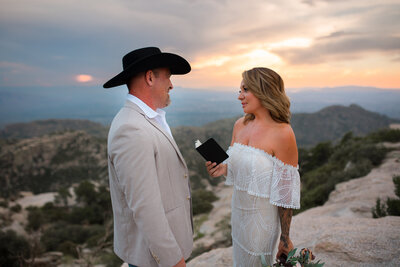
(50, 162)
(333, 122)
(190, 107)
(327, 124)
(42, 127)
(45, 155)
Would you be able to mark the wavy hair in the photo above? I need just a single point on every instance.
(268, 87)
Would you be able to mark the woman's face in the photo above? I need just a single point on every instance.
(250, 103)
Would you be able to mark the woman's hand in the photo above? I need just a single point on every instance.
(284, 247)
(215, 170)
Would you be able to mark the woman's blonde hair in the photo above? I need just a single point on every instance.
(268, 87)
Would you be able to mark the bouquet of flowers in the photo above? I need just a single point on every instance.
(304, 259)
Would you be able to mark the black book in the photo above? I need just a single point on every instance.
(212, 151)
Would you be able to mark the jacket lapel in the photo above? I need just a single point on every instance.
(129, 104)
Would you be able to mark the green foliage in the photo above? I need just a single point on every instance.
(385, 135)
(325, 165)
(202, 200)
(85, 192)
(305, 259)
(4, 203)
(51, 163)
(14, 249)
(59, 233)
(225, 227)
(68, 248)
(67, 227)
(396, 181)
(379, 210)
(110, 259)
(316, 157)
(62, 196)
(392, 206)
(16, 208)
(35, 219)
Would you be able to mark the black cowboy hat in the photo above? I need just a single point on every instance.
(146, 59)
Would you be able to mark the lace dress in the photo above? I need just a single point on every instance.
(261, 183)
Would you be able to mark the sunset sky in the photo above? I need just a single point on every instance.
(311, 43)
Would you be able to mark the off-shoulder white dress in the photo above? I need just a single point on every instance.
(261, 183)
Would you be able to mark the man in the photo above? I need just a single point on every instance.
(149, 183)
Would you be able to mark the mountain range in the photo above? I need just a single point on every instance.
(190, 107)
(42, 156)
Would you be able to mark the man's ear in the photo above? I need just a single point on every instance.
(149, 77)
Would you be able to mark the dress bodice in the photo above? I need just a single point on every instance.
(260, 174)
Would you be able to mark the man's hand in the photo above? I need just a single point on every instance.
(215, 170)
(181, 263)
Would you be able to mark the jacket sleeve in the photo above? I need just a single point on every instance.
(134, 158)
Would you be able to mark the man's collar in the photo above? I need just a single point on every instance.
(144, 107)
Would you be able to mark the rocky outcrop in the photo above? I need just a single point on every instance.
(342, 232)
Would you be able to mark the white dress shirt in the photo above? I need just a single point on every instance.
(158, 115)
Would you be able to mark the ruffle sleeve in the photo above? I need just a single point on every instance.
(285, 186)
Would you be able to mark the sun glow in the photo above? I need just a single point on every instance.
(293, 42)
(84, 78)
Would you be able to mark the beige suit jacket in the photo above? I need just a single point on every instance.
(150, 192)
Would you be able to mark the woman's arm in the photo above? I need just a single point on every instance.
(215, 170)
(286, 151)
(285, 244)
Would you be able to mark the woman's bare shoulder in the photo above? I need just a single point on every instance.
(238, 124)
(285, 144)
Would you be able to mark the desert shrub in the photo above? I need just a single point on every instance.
(109, 259)
(379, 210)
(16, 208)
(195, 182)
(85, 192)
(59, 233)
(53, 213)
(396, 181)
(198, 250)
(225, 227)
(14, 249)
(68, 248)
(86, 215)
(35, 219)
(62, 196)
(385, 135)
(391, 206)
(315, 157)
(325, 165)
(4, 203)
(202, 200)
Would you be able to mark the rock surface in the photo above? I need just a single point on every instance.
(342, 232)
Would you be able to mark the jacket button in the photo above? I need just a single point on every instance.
(188, 197)
(185, 176)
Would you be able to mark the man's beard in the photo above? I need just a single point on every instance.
(168, 102)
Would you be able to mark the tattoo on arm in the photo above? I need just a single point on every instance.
(285, 216)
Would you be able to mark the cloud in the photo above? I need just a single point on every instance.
(339, 47)
(62, 38)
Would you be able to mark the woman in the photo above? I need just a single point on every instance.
(262, 167)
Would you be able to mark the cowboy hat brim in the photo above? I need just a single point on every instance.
(175, 63)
